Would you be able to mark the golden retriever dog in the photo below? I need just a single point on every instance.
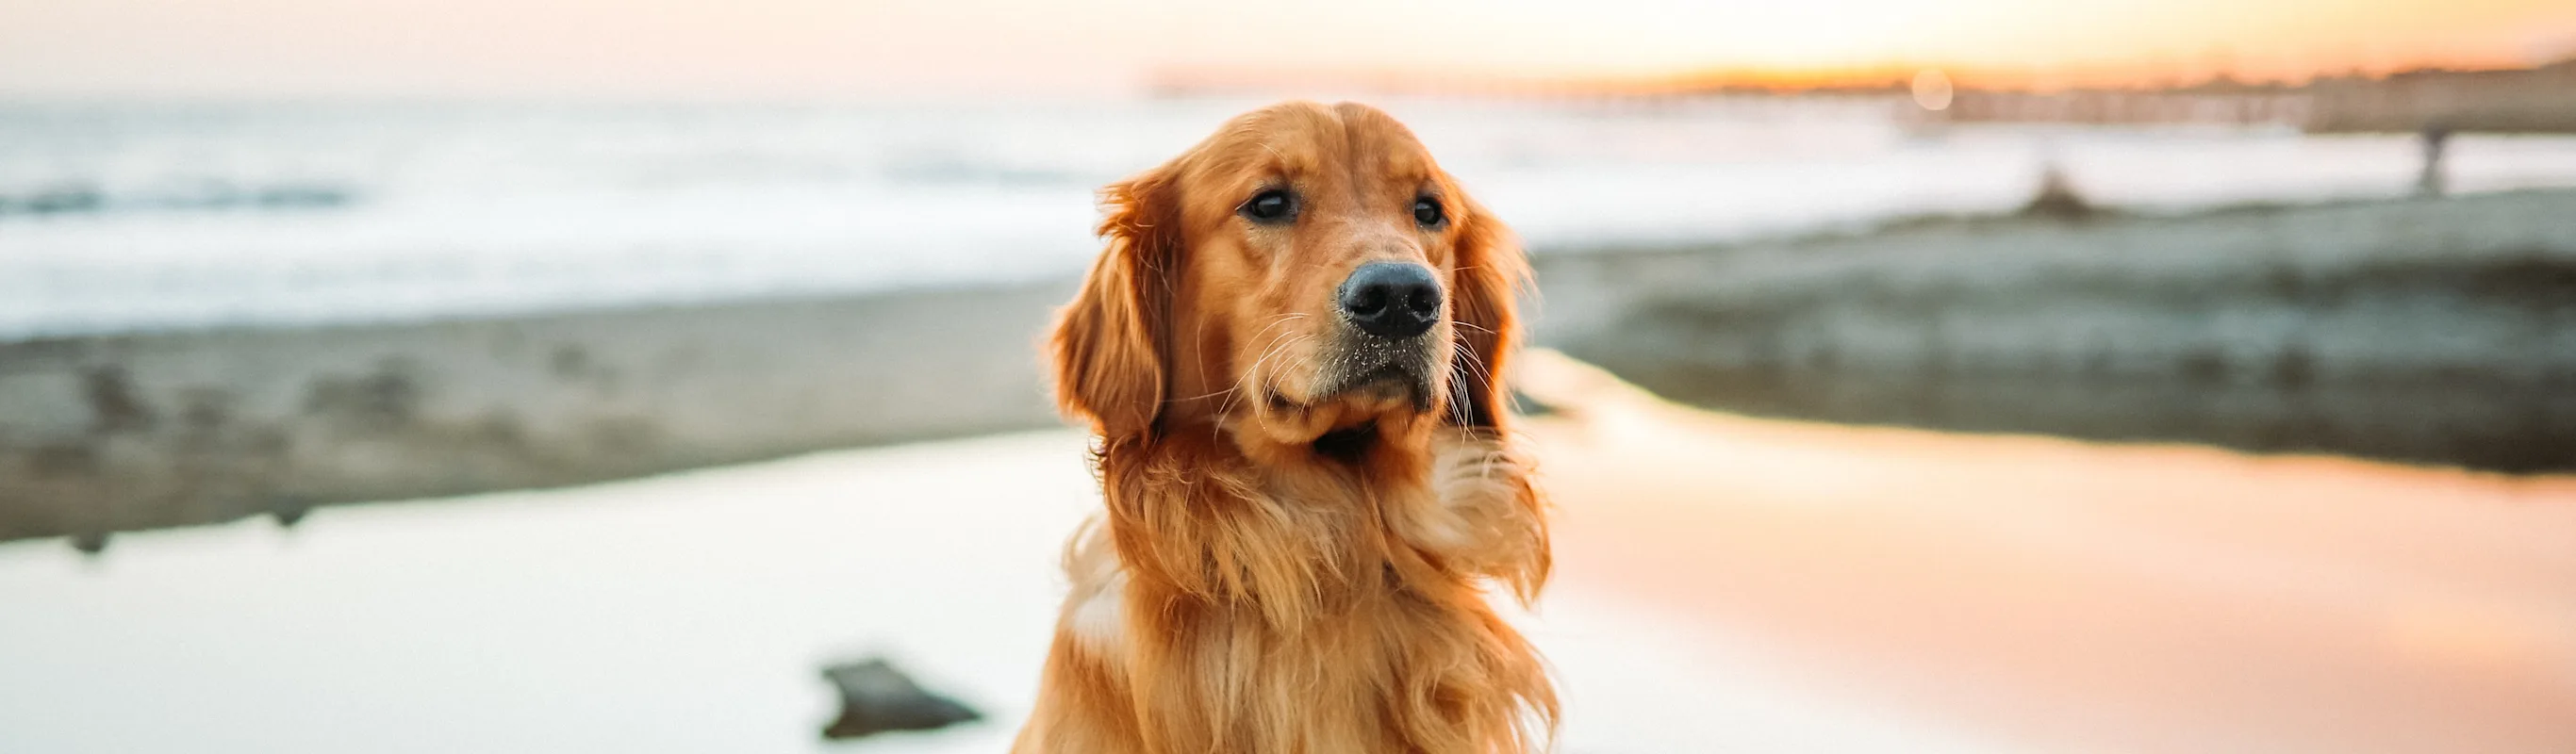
(1290, 351)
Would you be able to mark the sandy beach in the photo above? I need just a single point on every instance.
(692, 612)
(2078, 597)
(1727, 584)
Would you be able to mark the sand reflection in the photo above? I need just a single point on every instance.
(2088, 596)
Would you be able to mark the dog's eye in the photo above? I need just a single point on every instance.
(1426, 211)
(1273, 206)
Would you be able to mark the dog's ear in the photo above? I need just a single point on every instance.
(1109, 344)
(1491, 274)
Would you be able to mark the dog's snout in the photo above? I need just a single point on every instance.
(1391, 299)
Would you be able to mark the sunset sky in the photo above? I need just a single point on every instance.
(805, 49)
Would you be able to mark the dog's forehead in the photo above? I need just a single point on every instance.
(1309, 140)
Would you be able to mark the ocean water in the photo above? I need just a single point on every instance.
(141, 217)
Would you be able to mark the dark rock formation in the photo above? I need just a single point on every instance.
(876, 698)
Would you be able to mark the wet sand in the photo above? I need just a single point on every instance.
(2079, 597)
(692, 612)
(114, 433)
(1725, 584)
(2437, 331)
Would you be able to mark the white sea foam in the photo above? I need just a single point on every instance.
(179, 216)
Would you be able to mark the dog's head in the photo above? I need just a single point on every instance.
(1306, 271)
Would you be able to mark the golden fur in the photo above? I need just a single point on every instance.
(1251, 589)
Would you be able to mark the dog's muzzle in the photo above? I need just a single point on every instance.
(1388, 309)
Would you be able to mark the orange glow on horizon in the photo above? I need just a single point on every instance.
(833, 48)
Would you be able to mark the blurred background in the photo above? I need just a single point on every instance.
(1976, 375)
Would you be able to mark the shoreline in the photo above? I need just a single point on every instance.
(2002, 324)
(2434, 331)
(148, 430)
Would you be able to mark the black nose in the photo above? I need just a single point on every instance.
(1391, 299)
